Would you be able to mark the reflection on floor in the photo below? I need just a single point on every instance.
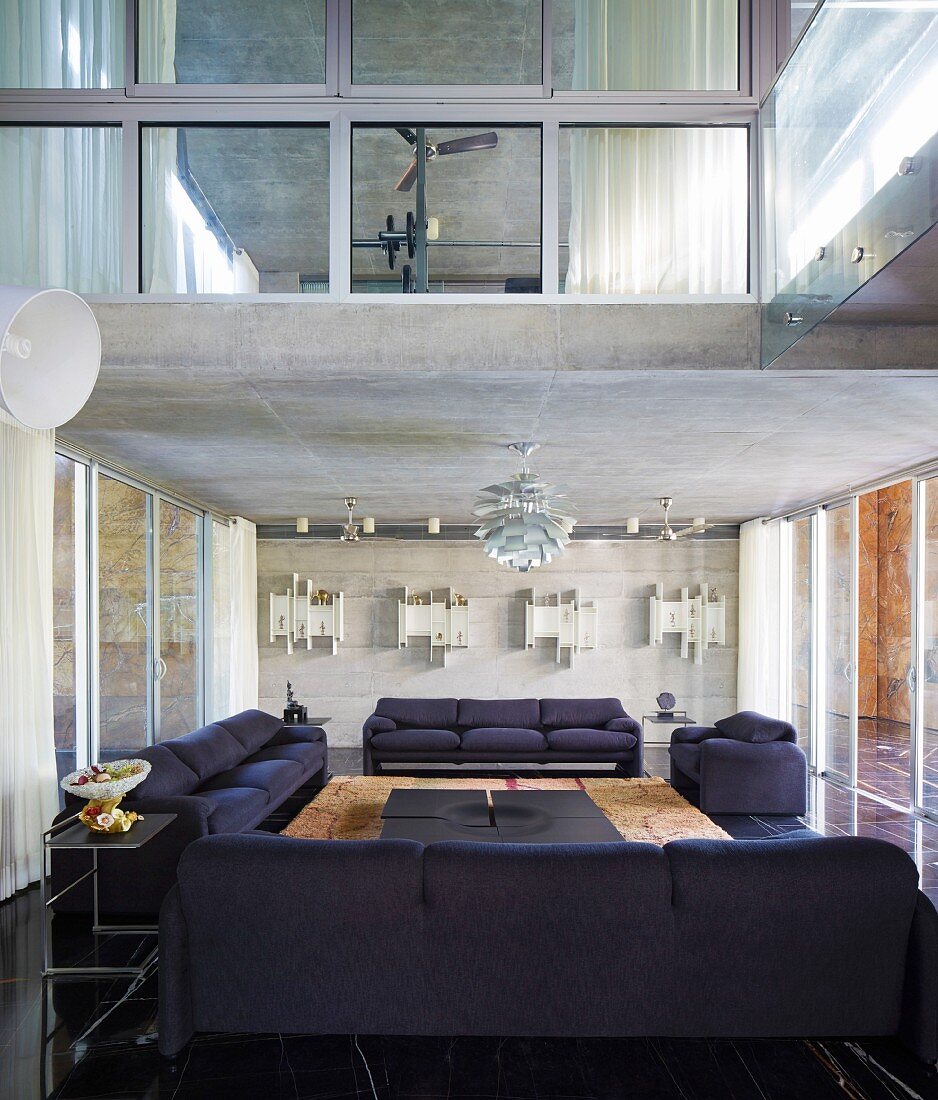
(100, 1043)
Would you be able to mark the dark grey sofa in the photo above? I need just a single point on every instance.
(226, 777)
(481, 731)
(745, 764)
(813, 937)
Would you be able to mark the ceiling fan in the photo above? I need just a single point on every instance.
(668, 534)
(457, 145)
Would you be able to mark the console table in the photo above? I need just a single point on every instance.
(673, 718)
(515, 817)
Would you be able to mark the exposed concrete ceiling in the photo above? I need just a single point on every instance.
(225, 404)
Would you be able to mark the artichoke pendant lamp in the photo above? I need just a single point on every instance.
(525, 521)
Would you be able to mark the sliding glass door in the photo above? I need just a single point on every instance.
(802, 631)
(925, 677)
(177, 666)
(840, 649)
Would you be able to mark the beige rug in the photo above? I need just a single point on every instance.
(349, 808)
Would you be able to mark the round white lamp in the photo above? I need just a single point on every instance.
(50, 354)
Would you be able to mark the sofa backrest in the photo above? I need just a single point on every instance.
(253, 728)
(513, 713)
(425, 714)
(208, 751)
(168, 774)
(756, 728)
(577, 713)
(780, 937)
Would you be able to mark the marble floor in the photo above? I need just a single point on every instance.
(84, 1039)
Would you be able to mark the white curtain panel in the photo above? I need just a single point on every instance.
(760, 684)
(664, 210)
(60, 218)
(61, 44)
(243, 691)
(28, 791)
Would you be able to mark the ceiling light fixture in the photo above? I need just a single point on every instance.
(302, 525)
(368, 525)
(668, 534)
(350, 529)
(433, 525)
(525, 523)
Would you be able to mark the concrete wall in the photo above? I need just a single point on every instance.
(371, 574)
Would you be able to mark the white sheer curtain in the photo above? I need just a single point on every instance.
(61, 43)
(60, 216)
(243, 690)
(28, 791)
(664, 210)
(760, 683)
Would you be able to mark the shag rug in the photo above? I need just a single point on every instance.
(349, 807)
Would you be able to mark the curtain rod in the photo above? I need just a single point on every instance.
(918, 470)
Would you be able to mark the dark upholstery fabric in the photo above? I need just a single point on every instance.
(505, 713)
(687, 758)
(693, 735)
(699, 938)
(579, 713)
(740, 778)
(208, 751)
(375, 723)
(298, 735)
(235, 809)
(590, 740)
(168, 775)
(428, 714)
(416, 740)
(502, 739)
(756, 729)
(625, 725)
(252, 728)
(309, 755)
(277, 777)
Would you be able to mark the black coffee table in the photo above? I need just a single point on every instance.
(516, 817)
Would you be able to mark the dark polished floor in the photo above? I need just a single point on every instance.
(97, 1038)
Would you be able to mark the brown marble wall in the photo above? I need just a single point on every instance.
(930, 671)
(885, 602)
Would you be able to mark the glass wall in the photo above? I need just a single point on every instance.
(840, 675)
(802, 631)
(928, 676)
(124, 618)
(220, 677)
(634, 45)
(62, 43)
(70, 615)
(235, 209)
(178, 664)
(60, 218)
(654, 211)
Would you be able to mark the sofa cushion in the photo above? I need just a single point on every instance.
(503, 739)
(687, 758)
(418, 740)
(235, 808)
(591, 740)
(693, 735)
(489, 713)
(423, 714)
(374, 723)
(168, 775)
(252, 728)
(755, 728)
(309, 755)
(208, 751)
(579, 713)
(277, 777)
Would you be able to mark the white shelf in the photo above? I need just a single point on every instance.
(571, 621)
(444, 623)
(300, 617)
(700, 621)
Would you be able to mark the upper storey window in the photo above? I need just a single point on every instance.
(62, 43)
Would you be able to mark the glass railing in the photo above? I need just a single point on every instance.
(850, 158)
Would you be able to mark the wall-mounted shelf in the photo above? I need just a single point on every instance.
(571, 621)
(303, 613)
(700, 620)
(442, 619)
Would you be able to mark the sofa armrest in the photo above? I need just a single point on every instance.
(740, 778)
(693, 735)
(297, 735)
(918, 1025)
(626, 724)
(375, 723)
(176, 1024)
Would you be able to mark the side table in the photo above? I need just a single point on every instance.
(70, 833)
(674, 718)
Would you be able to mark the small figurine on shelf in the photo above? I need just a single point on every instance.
(301, 631)
(322, 628)
(294, 713)
(280, 622)
(418, 600)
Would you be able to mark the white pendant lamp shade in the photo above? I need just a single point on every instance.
(50, 354)
(525, 523)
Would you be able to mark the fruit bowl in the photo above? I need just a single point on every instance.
(104, 785)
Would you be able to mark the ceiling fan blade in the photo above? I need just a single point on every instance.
(468, 144)
(409, 178)
(408, 135)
